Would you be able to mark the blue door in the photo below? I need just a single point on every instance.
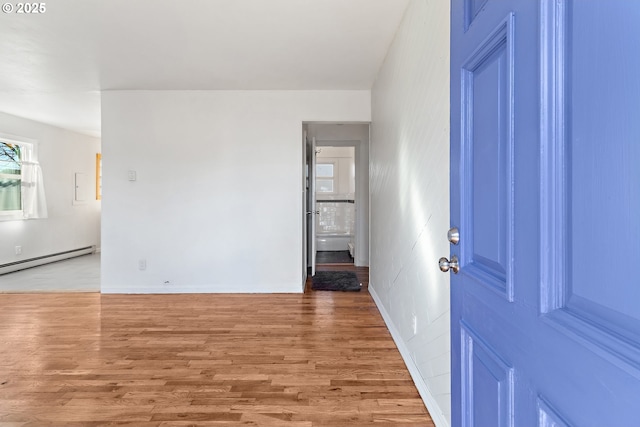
(545, 196)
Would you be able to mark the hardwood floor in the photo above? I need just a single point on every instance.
(317, 359)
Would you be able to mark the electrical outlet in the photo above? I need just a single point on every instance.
(414, 324)
(142, 264)
(18, 250)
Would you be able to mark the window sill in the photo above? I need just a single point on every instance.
(13, 216)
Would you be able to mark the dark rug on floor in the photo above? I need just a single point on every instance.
(333, 257)
(335, 281)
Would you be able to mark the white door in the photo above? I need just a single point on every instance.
(312, 205)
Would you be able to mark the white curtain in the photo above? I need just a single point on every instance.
(34, 201)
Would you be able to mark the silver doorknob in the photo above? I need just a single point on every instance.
(445, 264)
(453, 235)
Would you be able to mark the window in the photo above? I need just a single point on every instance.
(324, 178)
(21, 187)
(10, 178)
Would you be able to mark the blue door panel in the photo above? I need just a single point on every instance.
(472, 8)
(486, 158)
(488, 164)
(548, 417)
(483, 369)
(603, 129)
(597, 197)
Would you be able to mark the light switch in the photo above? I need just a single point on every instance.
(81, 188)
(131, 175)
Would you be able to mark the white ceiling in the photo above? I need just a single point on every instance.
(54, 65)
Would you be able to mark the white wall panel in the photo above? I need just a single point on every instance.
(410, 194)
(217, 202)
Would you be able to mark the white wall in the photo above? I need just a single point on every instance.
(410, 197)
(61, 153)
(217, 202)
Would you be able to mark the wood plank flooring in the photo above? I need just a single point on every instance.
(315, 359)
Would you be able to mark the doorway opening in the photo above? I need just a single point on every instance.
(335, 204)
(336, 183)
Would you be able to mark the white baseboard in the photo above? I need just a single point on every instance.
(430, 402)
(175, 288)
(361, 262)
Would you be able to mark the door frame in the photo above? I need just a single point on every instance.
(362, 197)
(305, 204)
(361, 231)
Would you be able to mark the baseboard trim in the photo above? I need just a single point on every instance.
(428, 399)
(175, 288)
(361, 262)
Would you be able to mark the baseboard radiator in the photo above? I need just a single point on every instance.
(45, 259)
